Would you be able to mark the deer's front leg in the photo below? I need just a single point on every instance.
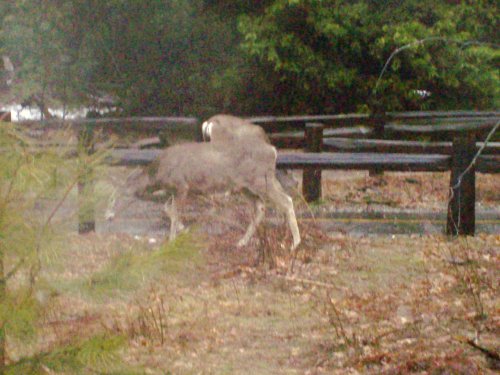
(260, 211)
(176, 226)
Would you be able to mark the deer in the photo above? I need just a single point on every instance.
(236, 156)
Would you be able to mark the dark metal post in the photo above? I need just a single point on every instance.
(311, 179)
(86, 209)
(461, 208)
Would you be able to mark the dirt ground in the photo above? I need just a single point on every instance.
(380, 305)
(352, 201)
(426, 191)
(342, 304)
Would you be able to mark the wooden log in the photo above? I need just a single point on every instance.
(86, 209)
(485, 164)
(296, 139)
(404, 147)
(365, 161)
(360, 118)
(354, 132)
(279, 123)
(441, 128)
(292, 141)
(273, 124)
(116, 120)
(328, 160)
(147, 143)
(311, 177)
(146, 124)
(390, 130)
(129, 157)
(449, 120)
(439, 132)
(422, 115)
(461, 208)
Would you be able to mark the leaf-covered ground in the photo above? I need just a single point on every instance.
(343, 304)
(403, 304)
(429, 191)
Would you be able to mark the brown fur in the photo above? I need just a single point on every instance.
(238, 158)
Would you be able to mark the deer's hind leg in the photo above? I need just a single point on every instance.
(284, 203)
(170, 209)
(260, 211)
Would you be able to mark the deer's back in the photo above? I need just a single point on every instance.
(227, 128)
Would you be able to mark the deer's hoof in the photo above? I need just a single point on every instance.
(242, 243)
(109, 215)
(295, 245)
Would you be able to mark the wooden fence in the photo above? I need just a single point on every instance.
(407, 141)
(391, 148)
(5, 116)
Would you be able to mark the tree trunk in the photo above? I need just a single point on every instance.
(2, 327)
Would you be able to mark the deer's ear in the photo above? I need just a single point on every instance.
(206, 130)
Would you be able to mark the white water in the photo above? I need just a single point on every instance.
(20, 113)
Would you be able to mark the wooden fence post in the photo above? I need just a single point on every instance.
(198, 132)
(5, 116)
(461, 207)
(311, 178)
(86, 209)
(378, 120)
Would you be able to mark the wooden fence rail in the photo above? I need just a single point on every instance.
(456, 120)
(458, 159)
(391, 147)
(405, 147)
(331, 160)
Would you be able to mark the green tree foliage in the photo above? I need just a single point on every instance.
(30, 259)
(197, 57)
(169, 57)
(25, 176)
(28, 176)
(49, 51)
(332, 52)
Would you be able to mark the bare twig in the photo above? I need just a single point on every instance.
(14, 269)
(307, 282)
(423, 41)
(490, 354)
(467, 170)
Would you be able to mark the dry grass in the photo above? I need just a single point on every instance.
(351, 305)
(340, 305)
